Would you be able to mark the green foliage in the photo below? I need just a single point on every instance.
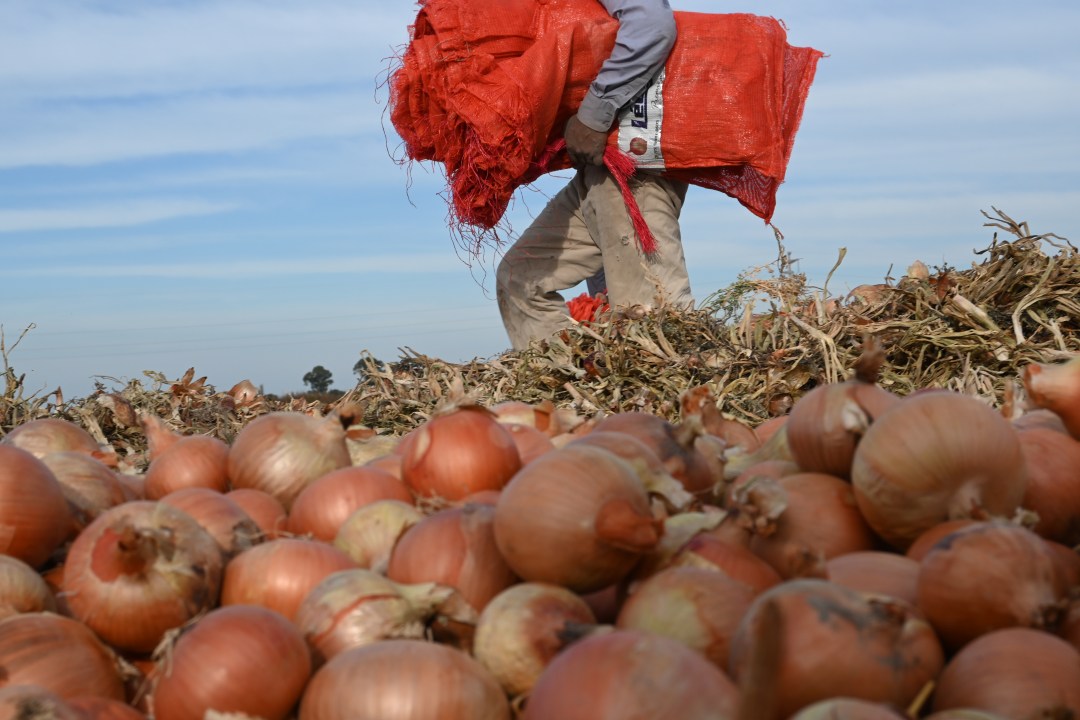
(319, 379)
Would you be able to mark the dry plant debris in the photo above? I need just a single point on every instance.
(757, 345)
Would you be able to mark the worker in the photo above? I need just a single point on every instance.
(585, 232)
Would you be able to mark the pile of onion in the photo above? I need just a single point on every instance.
(370, 533)
(323, 506)
(90, 486)
(577, 516)
(34, 514)
(937, 456)
(182, 461)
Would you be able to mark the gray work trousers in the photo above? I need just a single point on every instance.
(584, 229)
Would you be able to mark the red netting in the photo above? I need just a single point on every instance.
(486, 86)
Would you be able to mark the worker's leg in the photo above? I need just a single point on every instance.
(634, 278)
(555, 253)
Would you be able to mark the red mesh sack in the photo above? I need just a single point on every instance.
(486, 86)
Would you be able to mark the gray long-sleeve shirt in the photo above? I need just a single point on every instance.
(642, 44)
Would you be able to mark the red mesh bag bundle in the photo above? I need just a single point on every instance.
(486, 86)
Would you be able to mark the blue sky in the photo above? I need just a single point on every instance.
(214, 183)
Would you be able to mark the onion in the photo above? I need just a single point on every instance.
(226, 521)
(263, 508)
(847, 709)
(22, 589)
(1015, 571)
(679, 529)
(139, 570)
(368, 535)
(390, 462)
(631, 674)
(653, 474)
(699, 402)
(282, 452)
(1043, 419)
(524, 627)
(699, 608)
(89, 485)
(932, 536)
(357, 607)
(99, 708)
(877, 573)
(767, 428)
(193, 461)
(323, 506)
(936, 456)
(1053, 483)
(278, 574)
(58, 654)
(33, 702)
(1015, 672)
(458, 453)
(47, 435)
(542, 415)
(403, 680)
(736, 561)
(836, 642)
(454, 547)
(819, 522)
(34, 515)
(530, 442)
(159, 436)
(672, 443)
(220, 664)
(826, 424)
(577, 517)
(1056, 387)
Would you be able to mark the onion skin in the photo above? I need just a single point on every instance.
(192, 461)
(33, 702)
(523, 628)
(220, 663)
(22, 589)
(631, 674)
(1053, 483)
(283, 452)
(736, 561)
(226, 521)
(928, 539)
(530, 442)
(269, 514)
(278, 574)
(369, 534)
(58, 654)
(936, 456)
(403, 680)
(42, 436)
(1056, 387)
(672, 444)
(454, 547)
(323, 506)
(89, 485)
(139, 570)
(1015, 672)
(836, 642)
(847, 709)
(577, 517)
(1016, 572)
(459, 453)
(874, 572)
(699, 608)
(34, 514)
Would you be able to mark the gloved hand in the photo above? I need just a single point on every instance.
(584, 145)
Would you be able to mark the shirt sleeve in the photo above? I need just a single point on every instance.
(642, 44)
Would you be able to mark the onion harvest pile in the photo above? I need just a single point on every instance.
(869, 556)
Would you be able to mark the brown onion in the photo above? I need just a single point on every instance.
(1016, 672)
(458, 453)
(454, 547)
(699, 608)
(48, 435)
(278, 574)
(930, 537)
(736, 561)
(877, 573)
(368, 535)
(89, 485)
(221, 664)
(283, 452)
(936, 456)
(524, 627)
(654, 475)
(323, 506)
(22, 589)
(847, 709)
(1053, 483)
(34, 514)
(192, 461)
(59, 654)
(357, 607)
(1013, 568)
(700, 403)
(820, 522)
(90, 707)
(530, 442)
(578, 517)
(139, 570)
(631, 674)
(826, 424)
(1056, 387)
(226, 521)
(403, 680)
(33, 702)
(263, 508)
(836, 642)
(542, 415)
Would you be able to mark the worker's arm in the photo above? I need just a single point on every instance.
(644, 40)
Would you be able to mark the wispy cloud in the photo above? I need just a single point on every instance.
(127, 214)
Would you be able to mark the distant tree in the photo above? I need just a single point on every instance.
(319, 379)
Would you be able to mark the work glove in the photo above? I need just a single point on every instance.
(584, 145)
